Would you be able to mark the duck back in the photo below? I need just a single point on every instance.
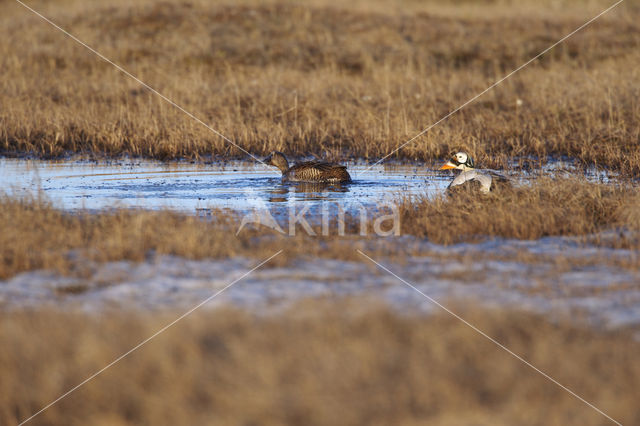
(317, 171)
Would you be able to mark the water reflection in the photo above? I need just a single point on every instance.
(306, 191)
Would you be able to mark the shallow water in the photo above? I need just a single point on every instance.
(195, 188)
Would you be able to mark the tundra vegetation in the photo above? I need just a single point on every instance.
(324, 78)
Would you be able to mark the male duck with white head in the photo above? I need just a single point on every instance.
(488, 180)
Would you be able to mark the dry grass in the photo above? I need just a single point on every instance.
(35, 236)
(321, 364)
(562, 206)
(323, 78)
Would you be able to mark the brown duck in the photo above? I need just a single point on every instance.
(310, 171)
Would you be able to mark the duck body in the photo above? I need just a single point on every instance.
(309, 171)
(485, 180)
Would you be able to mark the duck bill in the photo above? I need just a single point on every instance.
(447, 166)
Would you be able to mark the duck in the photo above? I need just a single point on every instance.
(488, 180)
(309, 171)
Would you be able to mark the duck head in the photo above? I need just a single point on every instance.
(277, 159)
(460, 161)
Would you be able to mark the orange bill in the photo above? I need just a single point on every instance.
(448, 165)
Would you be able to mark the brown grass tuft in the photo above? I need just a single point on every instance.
(563, 206)
(37, 236)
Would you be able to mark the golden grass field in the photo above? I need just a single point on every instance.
(342, 81)
(322, 363)
(323, 78)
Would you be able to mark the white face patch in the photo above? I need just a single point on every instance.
(461, 157)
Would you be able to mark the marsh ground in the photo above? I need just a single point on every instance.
(586, 287)
(340, 81)
(36, 235)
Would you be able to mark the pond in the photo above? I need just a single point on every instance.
(196, 187)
